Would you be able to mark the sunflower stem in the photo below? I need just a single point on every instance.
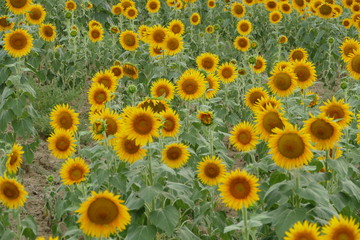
(246, 229)
(18, 223)
(304, 98)
(211, 140)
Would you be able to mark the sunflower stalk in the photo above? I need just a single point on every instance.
(17, 216)
(246, 228)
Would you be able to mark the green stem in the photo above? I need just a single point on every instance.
(211, 140)
(246, 229)
(18, 224)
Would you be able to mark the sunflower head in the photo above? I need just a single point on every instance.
(341, 228)
(61, 144)
(127, 150)
(5, 24)
(130, 71)
(191, 85)
(173, 44)
(153, 6)
(305, 73)
(176, 26)
(18, 6)
(260, 65)
(96, 34)
(210, 170)
(157, 35)
(117, 9)
(47, 32)
(267, 120)
(195, 19)
(282, 82)
(175, 155)
(207, 62)
(70, 5)
(162, 88)
(298, 54)
(275, 17)
(12, 193)
(170, 123)
(98, 95)
(14, 158)
(244, 137)
(227, 72)
(157, 106)
(242, 43)
(117, 71)
(36, 14)
(348, 47)
(253, 95)
(244, 27)
(206, 118)
(238, 10)
(74, 171)
(64, 117)
(338, 110)
(303, 230)
(18, 43)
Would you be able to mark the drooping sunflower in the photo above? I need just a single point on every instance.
(171, 123)
(324, 132)
(98, 95)
(210, 170)
(96, 34)
(338, 110)
(242, 43)
(244, 137)
(213, 85)
(127, 150)
(157, 35)
(117, 9)
(262, 103)
(195, 19)
(353, 65)
(70, 5)
(153, 6)
(173, 44)
(303, 230)
(207, 62)
(298, 54)
(239, 189)
(18, 43)
(176, 26)
(282, 82)
(14, 158)
(64, 117)
(155, 105)
(112, 122)
(131, 13)
(36, 14)
(305, 73)
(103, 214)
(117, 71)
(267, 120)
(175, 155)
(5, 24)
(141, 124)
(238, 10)
(191, 85)
(244, 27)
(348, 47)
(18, 6)
(290, 148)
(12, 193)
(130, 71)
(74, 171)
(162, 88)
(227, 72)
(260, 65)
(107, 79)
(253, 96)
(206, 117)
(61, 144)
(341, 228)
(47, 32)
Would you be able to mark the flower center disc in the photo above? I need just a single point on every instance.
(173, 44)
(10, 190)
(272, 120)
(227, 72)
(102, 211)
(95, 34)
(161, 90)
(176, 29)
(239, 188)
(169, 125)
(159, 36)
(131, 147)
(143, 125)
(62, 143)
(76, 173)
(18, 3)
(254, 97)
(291, 145)
(335, 112)
(13, 158)
(282, 81)
(212, 170)
(48, 31)
(302, 73)
(298, 55)
(106, 81)
(190, 86)
(322, 129)
(244, 137)
(355, 63)
(129, 40)
(35, 14)
(100, 97)
(173, 153)
(207, 63)
(65, 120)
(111, 126)
(18, 41)
(238, 9)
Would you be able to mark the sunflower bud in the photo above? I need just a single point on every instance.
(254, 45)
(252, 60)
(132, 88)
(99, 126)
(216, 26)
(73, 33)
(242, 71)
(68, 15)
(50, 179)
(233, 61)
(331, 40)
(344, 85)
(206, 118)
(201, 34)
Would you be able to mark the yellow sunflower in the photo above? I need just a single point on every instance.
(263, 102)
(176, 26)
(209, 29)
(107, 79)
(47, 32)
(112, 123)
(18, 6)
(211, 4)
(117, 71)
(191, 85)
(242, 43)
(195, 19)
(127, 3)
(253, 96)
(244, 27)
(239, 189)
(324, 132)
(70, 5)
(227, 72)
(213, 85)
(18, 43)
(74, 171)
(305, 73)
(98, 95)
(61, 144)
(157, 35)
(155, 51)
(153, 6)
(275, 17)
(290, 148)
(348, 47)
(267, 120)
(338, 110)
(244, 137)
(130, 71)
(162, 88)
(94, 23)
(298, 54)
(238, 10)
(36, 14)
(14, 158)
(282, 82)
(271, 5)
(96, 34)
(103, 214)
(260, 65)
(347, 23)
(325, 10)
(299, 5)
(64, 117)
(12, 193)
(127, 150)
(341, 228)
(210, 170)
(303, 230)
(252, 2)
(207, 62)
(117, 9)
(285, 8)
(131, 13)
(283, 64)
(206, 118)
(353, 65)
(175, 155)
(171, 123)
(173, 44)
(5, 24)
(155, 105)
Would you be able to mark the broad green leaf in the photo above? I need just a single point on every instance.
(166, 219)
(185, 234)
(142, 232)
(351, 188)
(284, 218)
(314, 192)
(149, 193)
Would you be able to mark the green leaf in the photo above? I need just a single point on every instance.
(185, 234)
(166, 219)
(284, 218)
(149, 193)
(278, 193)
(147, 232)
(351, 188)
(8, 235)
(30, 226)
(314, 192)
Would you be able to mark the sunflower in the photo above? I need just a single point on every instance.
(74, 171)
(176, 26)
(253, 96)
(179, 5)
(157, 35)
(347, 23)
(94, 23)
(239, 189)
(260, 65)
(98, 95)
(14, 158)
(5, 24)
(305, 73)
(244, 137)
(131, 13)
(127, 150)
(103, 214)
(64, 117)
(18, 6)
(341, 228)
(143, 32)
(242, 43)
(347, 3)
(282, 82)
(117, 71)
(213, 85)
(283, 39)
(304, 231)
(206, 118)
(127, 3)
(211, 4)
(61, 144)
(338, 110)
(117, 9)
(141, 125)
(227, 72)
(271, 5)
(353, 65)
(285, 8)
(18, 43)
(267, 120)
(171, 123)
(263, 102)
(153, 6)
(112, 123)
(191, 85)
(162, 88)
(36, 14)
(325, 10)
(107, 79)
(275, 17)
(195, 19)
(244, 27)
(173, 44)
(324, 132)
(96, 34)
(207, 62)
(47, 32)
(298, 54)
(12, 193)
(210, 170)
(175, 155)
(156, 106)
(282, 65)
(299, 5)
(155, 51)
(130, 71)
(70, 5)
(238, 10)
(290, 148)
(348, 47)
(209, 29)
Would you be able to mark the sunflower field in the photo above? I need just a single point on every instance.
(180, 119)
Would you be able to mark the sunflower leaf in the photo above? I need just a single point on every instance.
(166, 219)
(141, 232)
